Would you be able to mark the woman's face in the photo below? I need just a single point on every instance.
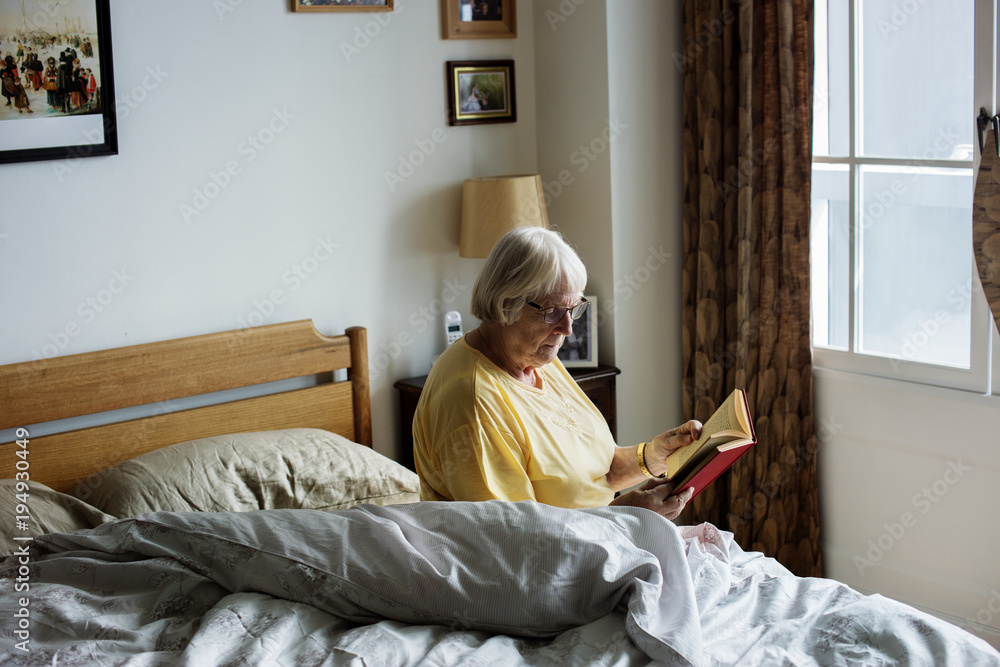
(531, 341)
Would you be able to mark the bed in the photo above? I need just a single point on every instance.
(265, 529)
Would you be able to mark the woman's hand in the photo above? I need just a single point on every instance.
(666, 443)
(655, 495)
(625, 472)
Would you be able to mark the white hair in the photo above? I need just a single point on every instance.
(526, 264)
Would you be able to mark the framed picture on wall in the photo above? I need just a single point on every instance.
(342, 5)
(579, 350)
(480, 91)
(57, 81)
(478, 19)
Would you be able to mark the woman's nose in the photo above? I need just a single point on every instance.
(565, 325)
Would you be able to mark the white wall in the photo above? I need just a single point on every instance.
(908, 478)
(571, 51)
(352, 96)
(345, 118)
(647, 195)
(344, 99)
(608, 110)
(909, 474)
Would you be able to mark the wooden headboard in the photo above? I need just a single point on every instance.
(42, 391)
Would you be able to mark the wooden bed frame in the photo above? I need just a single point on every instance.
(41, 391)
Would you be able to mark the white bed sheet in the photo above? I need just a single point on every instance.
(445, 583)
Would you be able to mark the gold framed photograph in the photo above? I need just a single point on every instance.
(478, 19)
(342, 5)
(480, 91)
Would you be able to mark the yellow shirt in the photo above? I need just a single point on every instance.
(479, 434)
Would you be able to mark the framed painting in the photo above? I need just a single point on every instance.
(57, 80)
(579, 350)
(478, 19)
(342, 5)
(481, 91)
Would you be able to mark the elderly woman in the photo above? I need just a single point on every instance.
(500, 418)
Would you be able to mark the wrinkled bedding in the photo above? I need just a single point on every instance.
(441, 583)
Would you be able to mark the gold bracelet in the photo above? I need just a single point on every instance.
(642, 461)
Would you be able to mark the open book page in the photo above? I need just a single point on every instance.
(727, 428)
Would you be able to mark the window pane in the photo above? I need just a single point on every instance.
(916, 79)
(831, 98)
(915, 264)
(830, 255)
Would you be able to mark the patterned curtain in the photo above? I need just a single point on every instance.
(986, 224)
(747, 156)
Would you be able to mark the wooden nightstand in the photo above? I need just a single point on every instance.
(597, 383)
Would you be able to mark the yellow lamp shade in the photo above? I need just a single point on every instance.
(493, 206)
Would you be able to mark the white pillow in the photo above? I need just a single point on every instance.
(289, 469)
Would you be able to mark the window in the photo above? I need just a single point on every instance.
(893, 277)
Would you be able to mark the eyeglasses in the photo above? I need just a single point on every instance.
(554, 314)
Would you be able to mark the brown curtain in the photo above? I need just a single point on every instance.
(747, 155)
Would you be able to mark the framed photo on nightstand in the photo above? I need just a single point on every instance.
(580, 349)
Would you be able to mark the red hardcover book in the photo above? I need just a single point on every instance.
(727, 436)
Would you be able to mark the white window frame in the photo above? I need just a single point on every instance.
(980, 377)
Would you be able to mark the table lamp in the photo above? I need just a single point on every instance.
(494, 205)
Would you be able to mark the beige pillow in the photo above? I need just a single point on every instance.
(48, 512)
(290, 469)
